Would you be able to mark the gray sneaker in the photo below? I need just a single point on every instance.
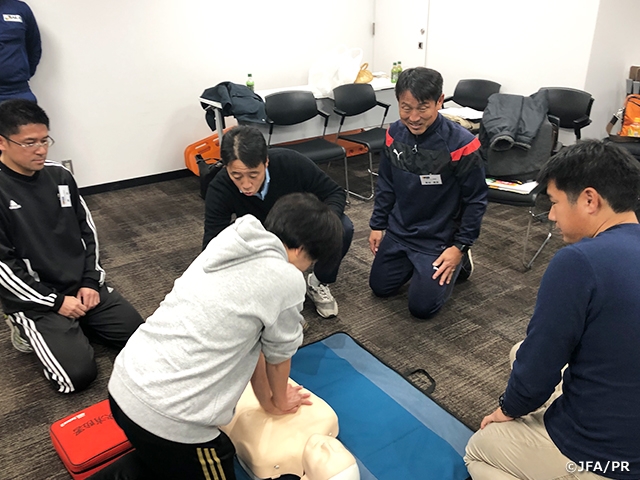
(320, 295)
(17, 340)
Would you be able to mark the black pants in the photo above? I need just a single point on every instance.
(155, 458)
(62, 344)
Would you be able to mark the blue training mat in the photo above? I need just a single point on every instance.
(392, 428)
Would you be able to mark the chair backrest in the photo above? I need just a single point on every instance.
(568, 104)
(474, 93)
(354, 98)
(290, 108)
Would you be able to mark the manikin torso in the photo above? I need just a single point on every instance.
(274, 445)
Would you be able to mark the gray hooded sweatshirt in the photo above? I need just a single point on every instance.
(182, 372)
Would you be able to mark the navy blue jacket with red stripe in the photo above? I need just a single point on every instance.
(431, 189)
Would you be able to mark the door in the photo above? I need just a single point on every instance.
(400, 33)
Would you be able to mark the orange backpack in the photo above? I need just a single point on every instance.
(628, 114)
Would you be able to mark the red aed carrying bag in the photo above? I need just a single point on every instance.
(89, 440)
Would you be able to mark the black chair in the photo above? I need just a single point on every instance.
(571, 106)
(473, 93)
(293, 107)
(518, 165)
(354, 99)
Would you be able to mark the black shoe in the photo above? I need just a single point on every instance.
(467, 267)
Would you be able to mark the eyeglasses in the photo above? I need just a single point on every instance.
(33, 145)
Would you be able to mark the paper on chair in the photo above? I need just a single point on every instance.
(464, 112)
(514, 187)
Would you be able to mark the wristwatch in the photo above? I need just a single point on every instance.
(500, 404)
(462, 247)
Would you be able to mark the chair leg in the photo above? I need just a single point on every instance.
(369, 170)
(346, 178)
(532, 216)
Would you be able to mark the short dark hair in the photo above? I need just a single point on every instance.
(301, 220)
(607, 168)
(243, 143)
(423, 83)
(16, 112)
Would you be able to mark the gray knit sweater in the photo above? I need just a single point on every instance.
(182, 372)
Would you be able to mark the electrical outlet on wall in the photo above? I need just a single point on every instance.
(68, 164)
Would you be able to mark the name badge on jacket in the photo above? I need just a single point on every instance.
(12, 18)
(431, 179)
(64, 195)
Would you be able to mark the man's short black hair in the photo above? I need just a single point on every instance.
(16, 112)
(243, 143)
(607, 168)
(423, 83)
(301, 220)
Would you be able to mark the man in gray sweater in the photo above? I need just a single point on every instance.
(233, 317)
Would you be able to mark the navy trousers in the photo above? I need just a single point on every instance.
(395, 264)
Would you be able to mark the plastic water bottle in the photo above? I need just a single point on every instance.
(399, 70)
(634, 128)
(250, 83)
(394, 73)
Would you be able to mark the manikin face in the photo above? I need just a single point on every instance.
(324, 457)
(248, 180)
(25, 160)
(418, 116)
(571, 218)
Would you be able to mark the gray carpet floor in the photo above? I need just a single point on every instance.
(149, 235)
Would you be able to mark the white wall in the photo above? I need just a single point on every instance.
(521, 45)
(615, 49)
(120, 80)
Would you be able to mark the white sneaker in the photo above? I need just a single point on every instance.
(18, 342)
(320, 295)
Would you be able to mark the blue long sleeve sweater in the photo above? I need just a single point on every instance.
(587, 316)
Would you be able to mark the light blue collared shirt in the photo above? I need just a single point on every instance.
(265, 188)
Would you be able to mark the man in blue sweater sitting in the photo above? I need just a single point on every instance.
(587, 318)
(430, 199)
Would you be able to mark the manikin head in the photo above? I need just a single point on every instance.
(24, 136)
(325, 458)
(592, 186)
(419, 95)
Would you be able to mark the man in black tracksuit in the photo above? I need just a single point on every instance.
(251, 182)
(51, 282)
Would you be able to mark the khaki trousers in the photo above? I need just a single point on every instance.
(521, 449)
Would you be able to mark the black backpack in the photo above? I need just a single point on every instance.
(207, 172)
